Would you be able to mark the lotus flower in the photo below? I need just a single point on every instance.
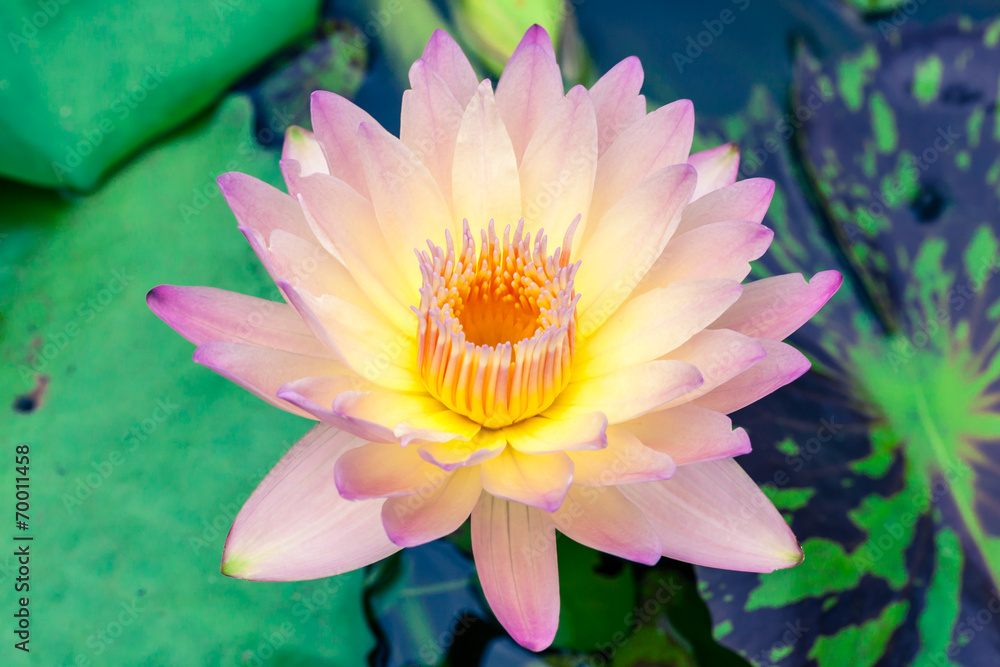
(527, 308)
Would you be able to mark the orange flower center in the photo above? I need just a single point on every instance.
(497, 331)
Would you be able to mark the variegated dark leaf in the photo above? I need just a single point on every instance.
(886, 457)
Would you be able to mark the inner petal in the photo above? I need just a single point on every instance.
(497, 330)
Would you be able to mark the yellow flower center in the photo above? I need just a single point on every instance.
(497, 332)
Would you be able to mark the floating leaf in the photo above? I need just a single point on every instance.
(139, 458)
(885, 457)
(88, 82)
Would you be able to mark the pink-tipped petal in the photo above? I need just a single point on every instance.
(690, 434)
(445, 56)
(531, 84)
(345, 224)
(655, 323)
(558, 167)
(775, 307)
(485, 185)
(205, 314)
(539, 480)
(627, 241)
(627, 393)
(295, 526)
(624, 461)
(336, 121)
(515, 551)
(408, 203)
(659, 139)
(302, 146)
(617, 101)
(743, 200)
(262, 206)
(717, 167)
(541, 435)
(782, 365)
(720, 356)
(382, 470)
(429, 123)
(602, 518)
(263, 371)
(716, 250)
(318, 396)
(713, 514)
(369, 345)
(292, 259)
(407, 414)
(414, 520)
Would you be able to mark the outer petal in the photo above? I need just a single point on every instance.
(617, 101)
(716, 250)
(713, 514)
(515, 550)
(345, 223)
(717, 167)
(204, 314)
(384, 470)
(558, 167)
(302, 146)
(485, 182)
(429, 123)
(782, 365)
(414, 520)
(627, 393)
(446, 57)
(627, 242)
(262, 370)
(541, 435)
(653, 324)
(603, 519)
(345, 402)
(299, 262)
(261, 206)
(720, 356)
(539, 480)
(660, 139)
(775, 307)
(624, 461)
(407, 200)
(369, 345)
(296, 526)
(690, 434)
(531, 84)
(336, 121)
(745, 200)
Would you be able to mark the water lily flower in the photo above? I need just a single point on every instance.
(528, 309)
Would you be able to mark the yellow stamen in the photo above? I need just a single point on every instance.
(497, 332)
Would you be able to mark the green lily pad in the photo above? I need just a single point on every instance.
(884, 458)
(139, 458)
(86, 83)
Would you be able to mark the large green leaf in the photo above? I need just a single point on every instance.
(885, 458)
(139, 457)
(85, 83)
